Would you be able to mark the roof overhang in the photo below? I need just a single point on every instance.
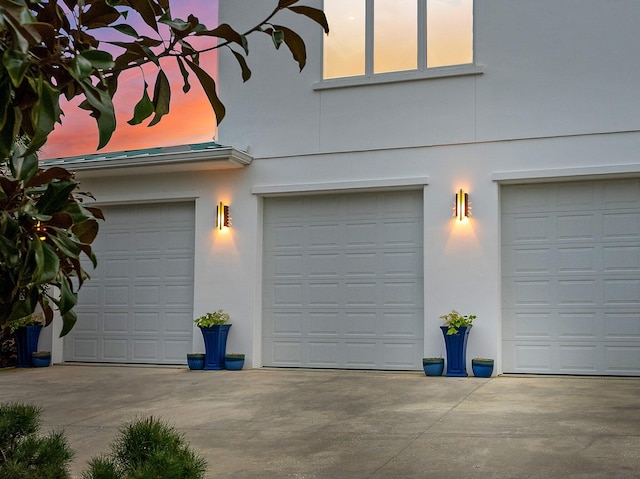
(204, 157)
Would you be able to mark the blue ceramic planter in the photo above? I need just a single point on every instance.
(456, 351)
(195, 361)
(215, 344)
(41, 360)
(433, 366)
(482, 368)
(26, 344)
(234, 362)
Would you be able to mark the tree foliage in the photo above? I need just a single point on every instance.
(52, 49)
(26, 455)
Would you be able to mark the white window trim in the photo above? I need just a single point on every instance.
(420, 73)
(401, 76)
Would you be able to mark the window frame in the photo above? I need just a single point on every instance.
(422, 72)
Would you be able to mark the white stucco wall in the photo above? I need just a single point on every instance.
(557, 99)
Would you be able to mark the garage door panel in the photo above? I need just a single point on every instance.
(621, 259)
(571, 291)
(351, 280)
(140, 298)
(622, 325)
(621, 226)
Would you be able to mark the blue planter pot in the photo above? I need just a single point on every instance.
(41, 360)
(195, 361)
(26, 344)
(456, 351)
(234, 362)
(482, 368)
(215, 344)
(433, 366)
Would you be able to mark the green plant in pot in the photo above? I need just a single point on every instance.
(456, 332)
(215, 330)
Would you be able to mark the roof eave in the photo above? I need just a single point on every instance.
(223, 158)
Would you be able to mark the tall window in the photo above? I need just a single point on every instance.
(369, 37)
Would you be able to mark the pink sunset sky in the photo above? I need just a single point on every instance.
(190, 120)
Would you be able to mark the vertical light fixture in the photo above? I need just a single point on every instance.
(223, 216)
(461, 208)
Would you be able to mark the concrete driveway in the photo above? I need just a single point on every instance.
(351, 424)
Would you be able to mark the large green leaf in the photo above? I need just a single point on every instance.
(68, 299)
(185, 75)
(56, 196)
(44, 113)
(23, 165)
(161, 97)
(100, 60)
(246, 72)
(143, 109)
(51, 264)
(126, 29)
(86, 231)
(65, 244)
(68, 321)
(209, 86)
(102, 109)
(16, 63)
(314, 14)
(295, 44)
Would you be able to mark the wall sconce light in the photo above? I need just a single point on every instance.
(223, 216)
(462, 208)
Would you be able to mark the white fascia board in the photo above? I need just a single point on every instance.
(341, 186)
(166, 162)
(567, 174)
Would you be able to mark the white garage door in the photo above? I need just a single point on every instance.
(571, 278)
(343, 283)
(138, 306)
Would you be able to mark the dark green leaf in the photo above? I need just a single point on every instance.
(51, 264)
(185, 75)
(66, 245)
(99, 14)
(295, 44)
(44, 113)
(161, 97)
(16, 64)
(146, 11)
(209, 86)
(86, 231)
(101, 106)
(278, 37)
(68, 299)
(23, 166)
(227, 33)
(82, 67)
(246, 72)
(126, 29)
(56, 196)
(143, 109)
(314, 14)
(99, 59)
(68, 321)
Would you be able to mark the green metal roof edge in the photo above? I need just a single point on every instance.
(211, 145)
